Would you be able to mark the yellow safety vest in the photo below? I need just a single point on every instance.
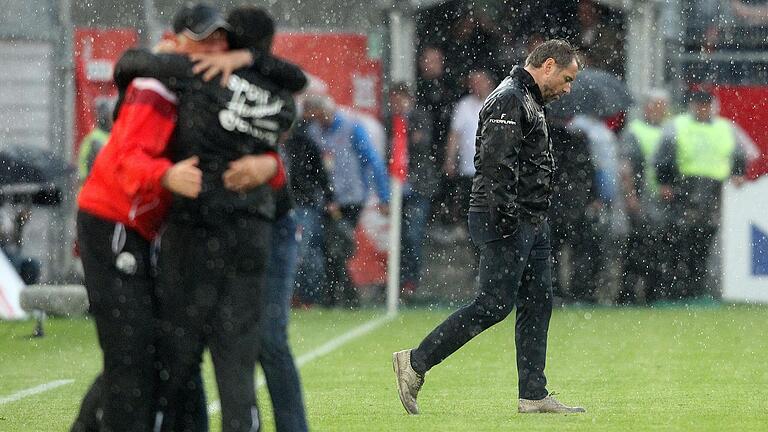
(648, 138)
(95, 139)
(704, 149)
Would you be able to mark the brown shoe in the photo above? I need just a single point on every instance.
(408, 381)
(547, 405)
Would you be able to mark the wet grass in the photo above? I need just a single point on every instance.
(675, 368)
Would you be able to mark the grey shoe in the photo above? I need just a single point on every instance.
(408, 381)
(547, 405)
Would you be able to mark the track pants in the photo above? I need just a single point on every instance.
(515, 272)
(209, 285)
(101, 243)
(118, 279)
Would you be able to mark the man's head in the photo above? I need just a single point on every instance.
(103, 108)
(251, 27)
(431, 62)
(700, 105)
(656, 106)
(200, 28)
(319, 108)
(480, 83)
(400, 98)
(553, 65)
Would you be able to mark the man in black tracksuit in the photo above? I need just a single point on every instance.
(508, 223)
(213, 251)
(571, 196)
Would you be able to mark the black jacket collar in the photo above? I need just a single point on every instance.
(521, 74)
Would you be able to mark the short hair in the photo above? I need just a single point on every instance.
(318, 101)
(558, 49)
(656, 94)
(699, 96)
(481, 71)
(401, 88)
(251, 27)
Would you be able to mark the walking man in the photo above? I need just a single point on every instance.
(507, 222)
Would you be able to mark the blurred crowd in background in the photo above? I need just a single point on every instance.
(630, 224)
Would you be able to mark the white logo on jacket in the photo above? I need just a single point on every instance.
(248, 118)
(504, 122)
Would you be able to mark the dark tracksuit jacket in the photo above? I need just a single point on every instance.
(214, 248)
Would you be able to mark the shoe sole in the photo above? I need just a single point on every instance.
(539, 411)
(400, 392)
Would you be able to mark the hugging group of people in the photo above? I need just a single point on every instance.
(175, 228)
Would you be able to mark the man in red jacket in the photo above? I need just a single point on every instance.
(121, 208)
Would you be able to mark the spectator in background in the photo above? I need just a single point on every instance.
(754, 12)
(312, 192)
(601, 36)
(572, 194)
(11, 242)
(421, 180)
(459, 161)
(643, 254)
(350, 160)
(473, 42)
(699, 152)
(96, 138)
(605, 224)
(434, 97)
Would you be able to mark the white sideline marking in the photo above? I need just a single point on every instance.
(326, 348)
(34, 390)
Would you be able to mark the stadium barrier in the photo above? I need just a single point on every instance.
(744, 240)
(55, 300)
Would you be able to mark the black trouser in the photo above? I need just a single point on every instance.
(208, 286)
(641, 258)
(584, 258)
(129, 302)
(514, 272)
(340, 288)
(117, 270)
(194, 417)
(589, 262)
(694, 244)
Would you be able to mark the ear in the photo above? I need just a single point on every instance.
(549, 65)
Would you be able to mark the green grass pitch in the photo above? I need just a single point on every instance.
(677, 368)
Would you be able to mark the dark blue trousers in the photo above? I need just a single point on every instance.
(515, 272)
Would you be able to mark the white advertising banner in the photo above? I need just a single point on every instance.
(10, 291)
(744, 235)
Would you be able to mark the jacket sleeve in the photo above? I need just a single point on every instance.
(633, 158)
(317, 170)
(287, 115)
(666, 157)
(146, 127)
(744, 152)
(173, 70)
(501, 140)
(279, 180)
(422, 127)
(369, 158)
(285, 74)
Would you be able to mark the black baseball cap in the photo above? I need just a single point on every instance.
(198, 21)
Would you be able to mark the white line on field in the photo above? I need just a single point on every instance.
(323, 349)
(34, 390)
